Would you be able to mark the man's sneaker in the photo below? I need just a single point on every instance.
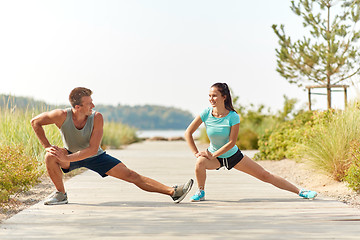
(181, 191)
(56, 199)
(307, 194)
(198, 196)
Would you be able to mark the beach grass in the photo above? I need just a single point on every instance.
(117, 134)
(330, 146)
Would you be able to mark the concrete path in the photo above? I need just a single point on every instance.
(237, 207)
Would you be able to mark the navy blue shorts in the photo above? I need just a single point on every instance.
(100, 164)
(230, 162)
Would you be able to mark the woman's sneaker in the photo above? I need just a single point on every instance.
(57, 198)
(307, 194)
(181, 191)
(198, 196)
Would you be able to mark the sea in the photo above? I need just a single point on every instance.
(164, 133)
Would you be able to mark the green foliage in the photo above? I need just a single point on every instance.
(18, 171)
(117, 135)
(15, 130)
(247, 139)
(21, 154)
(352, 175)
(331, 54)
(329, 147)
(255, 122)
(282, 141)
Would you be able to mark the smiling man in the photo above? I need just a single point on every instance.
(82, 130)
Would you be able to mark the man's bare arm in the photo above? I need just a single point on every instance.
(56, 117)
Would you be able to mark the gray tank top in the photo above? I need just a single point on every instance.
(75, 139)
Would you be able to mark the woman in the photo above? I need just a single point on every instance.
(222, 126)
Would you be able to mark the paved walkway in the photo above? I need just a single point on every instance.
(237, 206)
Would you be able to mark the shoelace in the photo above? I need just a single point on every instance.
(198, 193)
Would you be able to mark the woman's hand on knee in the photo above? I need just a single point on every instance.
(207, 154)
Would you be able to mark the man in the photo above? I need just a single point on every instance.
(82, 130)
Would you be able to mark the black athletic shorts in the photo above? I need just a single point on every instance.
(100, 164)
(230, 162)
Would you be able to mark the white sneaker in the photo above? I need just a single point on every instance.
(181, 191)
(57, 198)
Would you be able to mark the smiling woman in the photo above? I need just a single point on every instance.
(222, 127)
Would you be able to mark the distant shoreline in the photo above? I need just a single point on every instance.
(167, 134)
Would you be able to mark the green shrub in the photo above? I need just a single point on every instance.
(282, 141)
(21, 154)
(352, 175)
(247, 139)
(329, 146)
(18, 171)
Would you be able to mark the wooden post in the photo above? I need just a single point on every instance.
(328, 93)
(309, 95)
(345, 96)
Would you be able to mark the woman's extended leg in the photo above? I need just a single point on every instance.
(249, 166)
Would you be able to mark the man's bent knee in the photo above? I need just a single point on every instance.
(51, 160)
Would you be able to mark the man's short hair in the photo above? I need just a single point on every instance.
(76, 95)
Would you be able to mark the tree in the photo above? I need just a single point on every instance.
(330, 54)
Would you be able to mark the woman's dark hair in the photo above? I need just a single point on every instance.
(225, 92)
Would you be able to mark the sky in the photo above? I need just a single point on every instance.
(138, 52)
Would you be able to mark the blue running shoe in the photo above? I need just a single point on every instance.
(307, 194)
(198, 196)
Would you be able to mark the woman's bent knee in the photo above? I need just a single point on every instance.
(201, 162)
(205, 163)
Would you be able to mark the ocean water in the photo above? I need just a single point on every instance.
(163, 133)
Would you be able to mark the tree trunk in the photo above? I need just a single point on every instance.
(328, 60)
(328, 97)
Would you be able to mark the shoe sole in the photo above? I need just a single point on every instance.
(57, 203)
(201, 199)
(187, 191)
(310, 198)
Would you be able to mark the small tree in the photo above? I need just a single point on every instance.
(330, 55)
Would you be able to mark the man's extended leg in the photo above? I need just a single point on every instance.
(122, 172)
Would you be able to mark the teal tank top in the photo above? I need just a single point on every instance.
(74, 139)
